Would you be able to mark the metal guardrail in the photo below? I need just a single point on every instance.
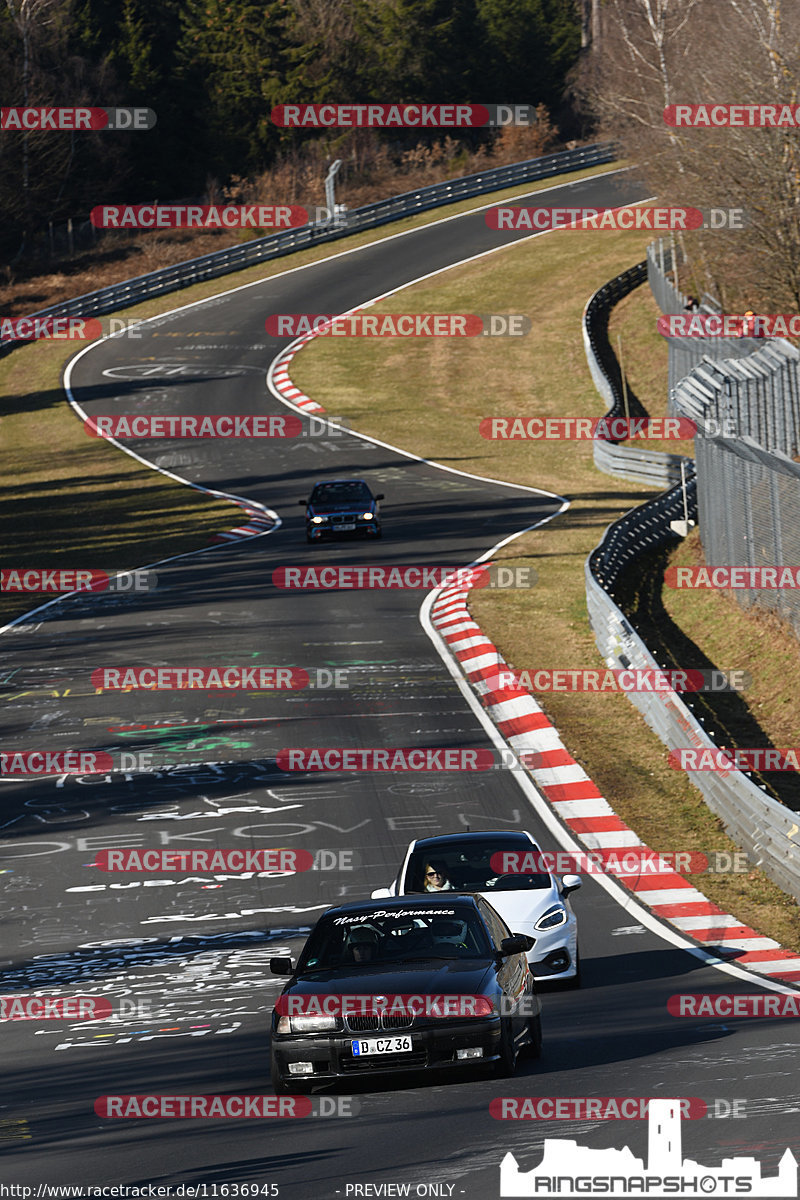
(654, 467)
(765, 829)
(370, 216)
(641, 529)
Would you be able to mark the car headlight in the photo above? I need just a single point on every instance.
(366, 516)
(318, 520)
(317, 1023)
(551, 919)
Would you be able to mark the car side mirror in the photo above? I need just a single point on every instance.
(380, 496)
(381, 894)
(518, 943)
(281, 966)
(570, 883)
(303, 502)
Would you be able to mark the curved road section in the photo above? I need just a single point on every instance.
(182, 959)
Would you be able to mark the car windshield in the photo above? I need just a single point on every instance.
(390, 936)
(468, 867)
(335, 493)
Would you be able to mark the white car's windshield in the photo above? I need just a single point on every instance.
(467, 867)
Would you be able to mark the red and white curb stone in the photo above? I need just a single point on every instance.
(280, 377)
(259, 523)
(581, 807)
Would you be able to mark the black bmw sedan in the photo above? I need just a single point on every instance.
(405, 984)
(342, 506)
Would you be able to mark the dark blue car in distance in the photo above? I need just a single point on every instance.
(342, 506)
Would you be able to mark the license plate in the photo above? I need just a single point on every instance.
(347, 525)
(389, 1045)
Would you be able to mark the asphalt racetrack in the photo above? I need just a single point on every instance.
(183, 959)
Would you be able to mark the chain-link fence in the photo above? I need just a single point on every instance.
(744, 396)
(748, 477)
(685, 353)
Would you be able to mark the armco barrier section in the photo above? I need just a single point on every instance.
(764, 828)
(370, 216)
(654, 467)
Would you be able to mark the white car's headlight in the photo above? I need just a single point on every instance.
(553, 917)
(307, 1024)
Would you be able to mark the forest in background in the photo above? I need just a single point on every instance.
(213, 70)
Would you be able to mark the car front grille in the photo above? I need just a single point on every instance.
(359, 1023)
(398, 1021)
(363, 1022)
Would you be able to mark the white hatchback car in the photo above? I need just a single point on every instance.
(534, 904)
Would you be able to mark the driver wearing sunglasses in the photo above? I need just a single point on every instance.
(436, 879)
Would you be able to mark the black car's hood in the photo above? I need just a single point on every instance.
(432, 977)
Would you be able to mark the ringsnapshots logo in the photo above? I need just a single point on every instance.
(401, 116)
(75, 579)
(728, 116)
(618, 679)
(586, 429)
(567, 1169)
(76, 120)
(198, 216)
(332, 578)
(539, 220)
(224, 1105)
(184, 425)
(398, 325)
